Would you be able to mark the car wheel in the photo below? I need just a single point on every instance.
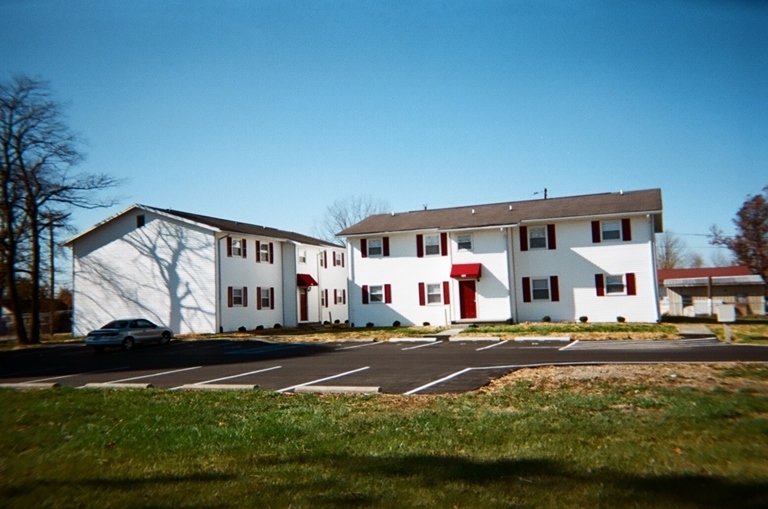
(99, 349)
(128, 344)
(165, 338)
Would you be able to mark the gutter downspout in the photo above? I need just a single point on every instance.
(512, 270)
(217, 261)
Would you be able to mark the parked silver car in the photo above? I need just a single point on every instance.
(128, 332)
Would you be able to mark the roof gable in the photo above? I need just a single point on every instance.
(512, 213)
(213, 224)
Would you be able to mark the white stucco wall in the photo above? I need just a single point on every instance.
(162, 271)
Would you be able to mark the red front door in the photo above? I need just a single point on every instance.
(467, 299)
(303, 306)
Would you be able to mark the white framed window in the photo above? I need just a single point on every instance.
(435, 293)
(611, 230)
(615, 285)
(540, 288)
(374, 247)
(237, 293)
(537, 237)
(337, 259)
(237, 247)
(302, 257)
(266, 301)
(376, 294)
(432, 244)
(464, 242)
(264, 252)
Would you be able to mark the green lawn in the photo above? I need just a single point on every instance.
(614, 445)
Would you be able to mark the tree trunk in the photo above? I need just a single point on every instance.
(34, 309)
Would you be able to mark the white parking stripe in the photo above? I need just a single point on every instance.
(324, 379)
(237, 376)
(154, 374)
(78, 374)
(492, 346)
(360, 346)
(570, 345)
(422, 346)
(430, 384)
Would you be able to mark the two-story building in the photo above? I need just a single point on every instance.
(200, 274)
(562, 258)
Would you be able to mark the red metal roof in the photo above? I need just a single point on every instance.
(736, 270)
(466, 270)
(305, 280)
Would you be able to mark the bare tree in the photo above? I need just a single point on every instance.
(344, 213)
(720, 258)
(38, 185)
(670, 251)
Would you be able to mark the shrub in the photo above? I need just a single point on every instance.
(583, 319)
(473, 326)
(241, 328)
(336, 321)
(369, 324)
(347, 321)
(259, 327)
(396, 323)
(278, 326)
(425, 324)
(326, 322)
(621, 319)
(546, 319)
(510, 321)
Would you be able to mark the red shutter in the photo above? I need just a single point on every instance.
(385, 242)
(271, 253)
(364, 247)
(344, 296)
(599, 285)
(325, 259)
(523, 238)
(342, 259)
(422, 295)
(595, 232)
(626, 230)
(420, 246)
(631, 285)
(229, 296)
(229, 246)
(388, 294)
(271, 298)
(526, 289)
(245, 296)
(244, 244)
(335, 297)
(325, 292)
(365, 294)
(334, 257)
(551, 241)
(258, 252)
(444, 244)
(554, 289)
(258, 297)
(446, 292)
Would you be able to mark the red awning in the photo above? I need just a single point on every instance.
(305, 280)
(466, 271)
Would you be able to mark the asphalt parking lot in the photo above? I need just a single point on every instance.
(413, 367)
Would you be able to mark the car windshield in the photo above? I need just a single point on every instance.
(117, 324)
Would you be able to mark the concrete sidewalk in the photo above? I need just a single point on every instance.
(695, 330)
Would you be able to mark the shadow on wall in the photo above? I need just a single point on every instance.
(377, 313)
(169, 279)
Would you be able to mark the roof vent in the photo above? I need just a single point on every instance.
(473, 211)
(510, 207)
(621, 192)
(393, 212)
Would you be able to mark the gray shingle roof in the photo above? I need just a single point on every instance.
(511, 213)
(246, 228)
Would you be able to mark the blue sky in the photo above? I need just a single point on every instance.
(268, 111)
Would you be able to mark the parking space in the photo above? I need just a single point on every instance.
(412, 367)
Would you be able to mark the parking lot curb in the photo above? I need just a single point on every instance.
(542, 339)
(337, 389)
(219, 387)
(29, 386)
(110, 385)
(473, 338)
(412, 340)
